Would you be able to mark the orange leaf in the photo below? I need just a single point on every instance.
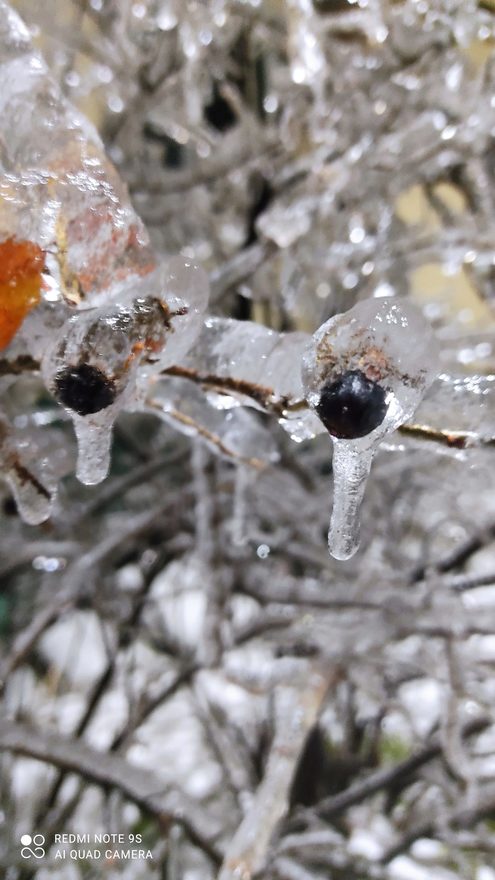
(21, 267)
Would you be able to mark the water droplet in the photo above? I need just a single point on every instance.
(72, 79)
(115, 104)
(350, 280)
(449, 132)
(139, 10)
(357, 234)
(48, 563)
(383, 290)
(104, 73)
(166, 19)
(270, 104)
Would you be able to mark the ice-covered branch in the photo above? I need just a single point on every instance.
(112, 771)
(297, 708)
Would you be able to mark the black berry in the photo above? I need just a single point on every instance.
(85, 389)
(352, 405)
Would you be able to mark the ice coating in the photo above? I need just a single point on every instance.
(243, 350)
(182, 287)
(246, 364)
(77, 269)
(364, 373)
(234, 433)
(58, 191)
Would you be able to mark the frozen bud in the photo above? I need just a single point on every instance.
(182, 288)
(364, 373)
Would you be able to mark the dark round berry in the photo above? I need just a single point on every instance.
(352, 405)
(85, 389)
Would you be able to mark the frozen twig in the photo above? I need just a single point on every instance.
(27, 638)
(388, 777)
(110, 771)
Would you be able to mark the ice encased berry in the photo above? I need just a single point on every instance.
(364, 373)
(352, 405)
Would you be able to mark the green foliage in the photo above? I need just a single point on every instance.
(392, 749)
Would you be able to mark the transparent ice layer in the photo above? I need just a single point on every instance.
(235, 434)
(57, 188)
(242, 363)
(79, 288)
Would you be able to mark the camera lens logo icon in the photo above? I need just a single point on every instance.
(32, 847)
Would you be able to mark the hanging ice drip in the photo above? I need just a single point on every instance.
(33, 499)
(93, 367)
(365, 373)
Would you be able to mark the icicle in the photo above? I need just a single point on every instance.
(351, 466)
(34, 501)
(239, 521)
(364, 373)
(94, 444)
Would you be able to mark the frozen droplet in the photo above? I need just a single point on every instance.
(364, 374)
(95, 355)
